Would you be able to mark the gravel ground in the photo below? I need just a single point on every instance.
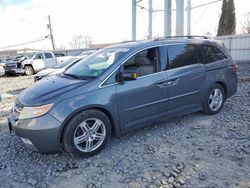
(193, 151)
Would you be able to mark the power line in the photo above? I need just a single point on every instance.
(194, 7)
(202, 14)
(28, 42)
(144, 8)
(198, 6)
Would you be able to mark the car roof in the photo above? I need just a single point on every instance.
(162, 41)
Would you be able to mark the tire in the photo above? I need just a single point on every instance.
(90, 127)
(28, 70)
(214, 100)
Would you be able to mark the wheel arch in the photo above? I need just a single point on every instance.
(114, 128)
(30, 65)
(224, 86)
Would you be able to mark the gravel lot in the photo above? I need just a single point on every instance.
(193, 151)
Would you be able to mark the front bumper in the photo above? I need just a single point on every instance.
(15, 71)
(39, 134)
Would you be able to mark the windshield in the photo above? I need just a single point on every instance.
(29, 56)
(95, 64)
(65, 63)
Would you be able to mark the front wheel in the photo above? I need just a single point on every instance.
(87, 133)
(28, 70)
(215, 100)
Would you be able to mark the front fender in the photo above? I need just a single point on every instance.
(101, 98)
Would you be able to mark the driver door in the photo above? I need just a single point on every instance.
(145, 98)
(38, 62)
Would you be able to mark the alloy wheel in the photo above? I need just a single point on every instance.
(215, 99)
(89, 135)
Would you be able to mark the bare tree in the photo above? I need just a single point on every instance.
(61, 47)
(245, 27)
(88, 41)
(81, 41)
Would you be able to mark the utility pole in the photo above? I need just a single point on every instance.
(150, 15)
(167, 18)
(51, 34)
(179, 17)
(133, 19)
(188, 17)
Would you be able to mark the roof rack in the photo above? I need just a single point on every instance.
(184, 36)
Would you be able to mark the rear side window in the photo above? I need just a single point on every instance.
(212, 54)
(48, 55)
(182, 55)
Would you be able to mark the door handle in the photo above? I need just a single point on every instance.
(172, 82)
(166, 83)
(169, 83)
(161, 84)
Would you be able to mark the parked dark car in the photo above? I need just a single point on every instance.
(122, 88)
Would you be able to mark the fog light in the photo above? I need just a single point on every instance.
(26, 141)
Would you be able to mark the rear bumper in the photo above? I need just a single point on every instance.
(232, 86)
(39, 134)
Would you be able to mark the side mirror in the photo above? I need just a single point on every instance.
(127, 75)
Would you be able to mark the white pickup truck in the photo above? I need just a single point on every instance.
(36, 61)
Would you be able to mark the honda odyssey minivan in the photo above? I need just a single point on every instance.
(121, 88)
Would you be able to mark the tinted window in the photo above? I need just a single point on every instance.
(182, 55)
(212, 54)
(48, 55)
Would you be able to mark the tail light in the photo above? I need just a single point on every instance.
(234, 67)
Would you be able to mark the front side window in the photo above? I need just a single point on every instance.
(39, 56)
(212, 54)
(180, 55)
(143, 63)
(95, 64)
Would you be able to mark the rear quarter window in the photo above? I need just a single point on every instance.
(212, 54)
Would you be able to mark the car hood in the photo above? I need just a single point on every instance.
(48, 90)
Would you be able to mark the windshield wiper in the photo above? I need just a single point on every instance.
(71, 75)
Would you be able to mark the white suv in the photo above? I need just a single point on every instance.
(37, 61)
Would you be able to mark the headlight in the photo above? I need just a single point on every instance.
(32, 112)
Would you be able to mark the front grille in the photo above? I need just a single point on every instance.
(17, 109)
(10, 66)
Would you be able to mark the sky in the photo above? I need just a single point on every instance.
(105, 21)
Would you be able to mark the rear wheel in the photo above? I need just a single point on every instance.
(28, 70)
(215, 100)
(87, 133)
